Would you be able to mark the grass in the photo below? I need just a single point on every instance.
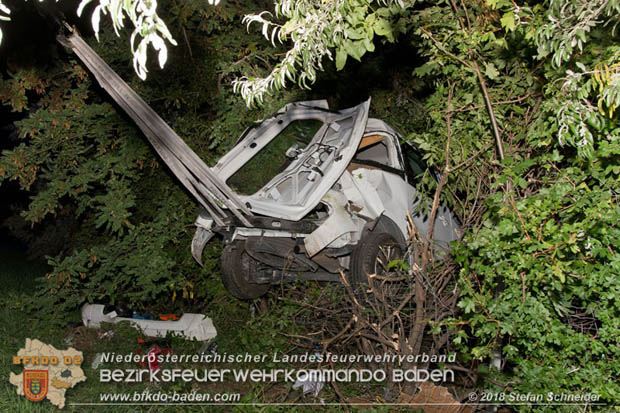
(18, 322)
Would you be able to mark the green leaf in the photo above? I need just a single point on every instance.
(384, 27)
(508, 21)
(370, 46)
(341, 58)
(355, 49)
(491, 71)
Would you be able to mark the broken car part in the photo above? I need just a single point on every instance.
(307, 193)
(353, 217)
(191, 326)
(208, 189)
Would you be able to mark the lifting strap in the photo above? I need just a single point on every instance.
(208, 189)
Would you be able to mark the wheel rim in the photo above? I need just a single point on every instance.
(386, 254)
(379, 282)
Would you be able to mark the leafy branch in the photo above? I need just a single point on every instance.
(317, 29)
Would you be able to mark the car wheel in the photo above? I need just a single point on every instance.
(237, 267)
(372, 256)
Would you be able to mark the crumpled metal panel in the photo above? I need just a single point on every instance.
(201, 237)
(338, 224)
(208, 189)
(362, 194)
(295, 191)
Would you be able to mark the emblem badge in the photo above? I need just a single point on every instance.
(35, 384)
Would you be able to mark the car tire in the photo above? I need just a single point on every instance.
(237, 266)
(372, 256)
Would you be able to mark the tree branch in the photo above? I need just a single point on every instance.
(487, 99)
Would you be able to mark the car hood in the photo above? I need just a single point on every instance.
(295, 191)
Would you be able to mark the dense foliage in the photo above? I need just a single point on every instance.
(541, 266)
(521, 121)
(541, 274)
(125, 225)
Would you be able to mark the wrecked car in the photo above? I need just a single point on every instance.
(331, 191)
(309, 193)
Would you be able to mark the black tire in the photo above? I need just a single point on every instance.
(236, 269)
(372, 256)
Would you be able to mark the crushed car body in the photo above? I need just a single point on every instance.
(347, 178)
(309, 193)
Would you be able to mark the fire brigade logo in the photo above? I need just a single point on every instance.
(48, 372)
(35, 384)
